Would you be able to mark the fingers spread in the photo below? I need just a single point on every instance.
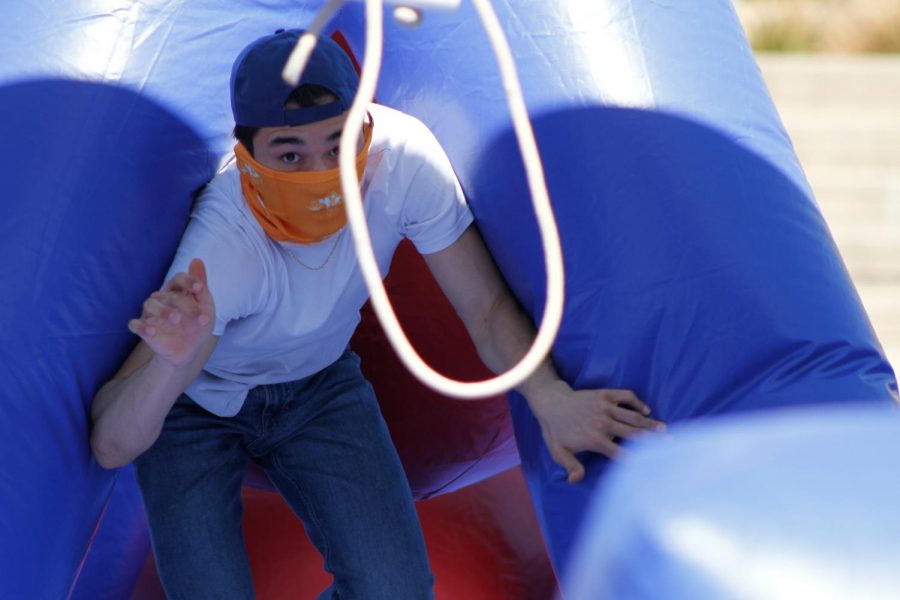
(193, 282)
(623, 431)
(167, 306)
(182, 283)
(142, 327)
(629, 399)
(567, 460)
(576, 474)
(154, 307)
(198, 270)
(136, 326)
(634, 419)
(168, 311)
(199, 288)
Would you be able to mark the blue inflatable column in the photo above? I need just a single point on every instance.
(796, 505)
(699, 270)
(98, 183)
(86, 233)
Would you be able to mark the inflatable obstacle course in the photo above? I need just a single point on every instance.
(699, 271)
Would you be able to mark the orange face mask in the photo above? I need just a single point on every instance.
(303, 207)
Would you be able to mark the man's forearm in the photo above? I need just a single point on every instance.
(502, 341)
(175, 328)
(571, 420)
(128, 413)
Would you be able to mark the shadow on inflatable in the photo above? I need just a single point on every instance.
(697, 275)
(94, 206)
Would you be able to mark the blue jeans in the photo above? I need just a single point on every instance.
(325, 447)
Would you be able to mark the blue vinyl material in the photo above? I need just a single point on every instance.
(698, 275)
(99, 182)
(699, 271)
(120, 545)
(795, 504)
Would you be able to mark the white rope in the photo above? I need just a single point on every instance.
(296, 62)
(540, 199)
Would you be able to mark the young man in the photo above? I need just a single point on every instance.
(243, 352)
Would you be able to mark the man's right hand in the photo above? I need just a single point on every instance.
(177, 321)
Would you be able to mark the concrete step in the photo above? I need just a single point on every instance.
(870, 266)
(848, 149)
(876, 203)
(870, 81)
(862, 176)
(843, 116)
(837, 120)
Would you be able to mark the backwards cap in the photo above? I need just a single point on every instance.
(258, 92)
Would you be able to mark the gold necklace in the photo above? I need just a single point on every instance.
(327, 258)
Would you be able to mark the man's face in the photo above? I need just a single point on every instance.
(310, 147)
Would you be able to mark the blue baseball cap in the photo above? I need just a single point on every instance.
(258, 92)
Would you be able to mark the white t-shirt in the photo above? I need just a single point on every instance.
(279, 321)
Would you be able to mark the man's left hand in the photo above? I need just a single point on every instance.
(593, 420)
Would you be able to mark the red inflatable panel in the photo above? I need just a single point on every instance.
(444, 443)
(483, 543)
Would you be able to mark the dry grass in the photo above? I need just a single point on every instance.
(844, 26)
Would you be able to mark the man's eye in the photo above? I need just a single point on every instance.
(290, 158)
(334, 152)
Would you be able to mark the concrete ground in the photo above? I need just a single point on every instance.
(843, 115)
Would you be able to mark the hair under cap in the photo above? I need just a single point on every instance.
(258, 93)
